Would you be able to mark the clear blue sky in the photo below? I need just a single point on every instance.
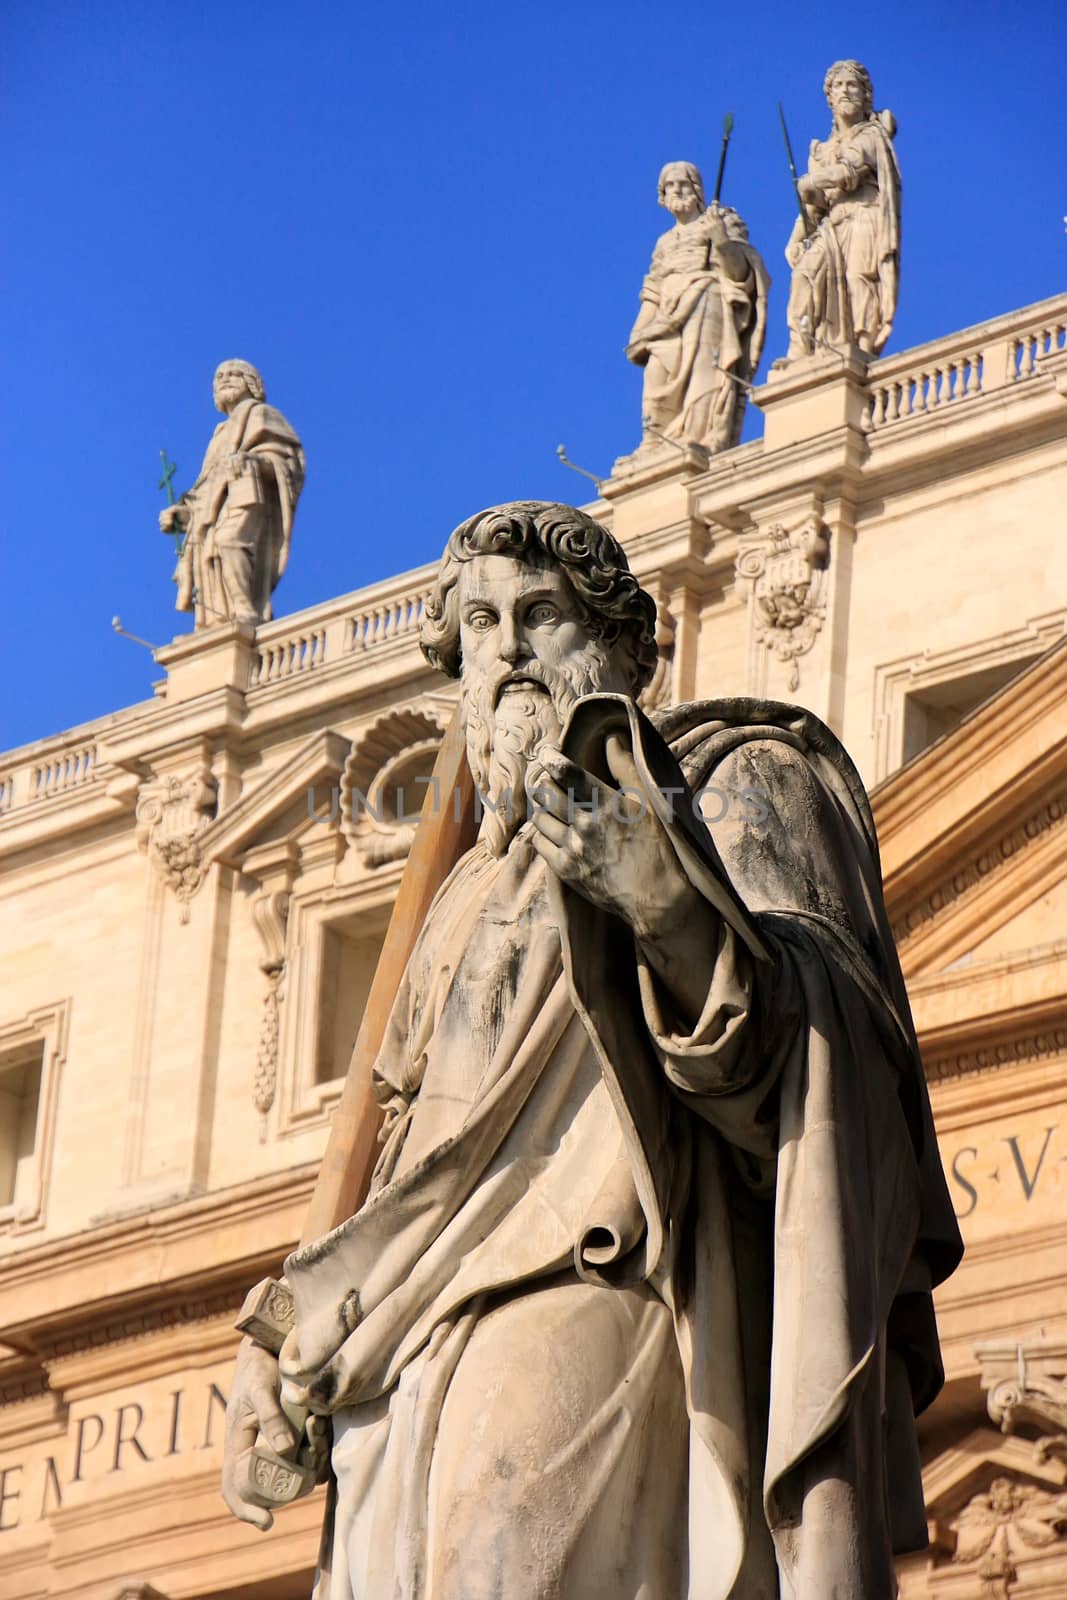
(427, 225)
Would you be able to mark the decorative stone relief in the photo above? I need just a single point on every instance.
(274, 868)
(1032, 1397)
(1041, 1046)
(172, 813)
(1004, 1525)
(967, 879)
(788, 570)
(384, 782)
(270, 909)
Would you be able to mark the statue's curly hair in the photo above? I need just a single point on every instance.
(865, 83)
(253, 381)
(617, 609)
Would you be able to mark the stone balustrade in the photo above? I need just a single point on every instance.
(300, 651)
(52, 768)
(975, 361)
(1035, 345)
(352, 624)
(371, 625)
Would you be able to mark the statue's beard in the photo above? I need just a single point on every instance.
(503, 735)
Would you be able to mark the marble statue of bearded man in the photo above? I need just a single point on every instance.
(238, 515)
(845, 255)
(699, 333)
(638, 1307)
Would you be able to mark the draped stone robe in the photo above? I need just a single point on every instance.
(240, 524)
(846, 275)
(697, 331)
(640, 1308)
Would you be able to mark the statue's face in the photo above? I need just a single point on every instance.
(527, 653)
(229, 388)
(519, 624)
(846, 95)
(680, 197)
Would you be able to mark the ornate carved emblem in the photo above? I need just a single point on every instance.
(172, 813)
(787, 569)
(1004, 1525)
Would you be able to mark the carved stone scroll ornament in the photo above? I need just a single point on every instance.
(172, 813)
(384, 782)
(270, 910)
(1033, 1398)
(788, 572)
(1006, 1524)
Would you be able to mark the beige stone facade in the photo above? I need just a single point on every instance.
(195, 889)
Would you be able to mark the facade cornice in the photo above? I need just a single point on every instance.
(118, 1270)
(1000, 757)
(982, 887)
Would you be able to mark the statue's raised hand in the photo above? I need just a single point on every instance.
(607, 842)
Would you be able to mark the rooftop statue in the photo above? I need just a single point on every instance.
(238, 516)
(640, 1301)
(845, 251)
(699, 333)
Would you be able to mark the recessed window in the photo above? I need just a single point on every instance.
(20, 1098)
(932, 712)
(350, 950)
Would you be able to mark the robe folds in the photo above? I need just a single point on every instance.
(699, 335)
(707, 1251)
(851, 262)
(251, 513)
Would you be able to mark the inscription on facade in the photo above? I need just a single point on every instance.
(1009, 1168)
(102, 1446)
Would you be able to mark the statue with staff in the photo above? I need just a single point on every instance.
(845, 245)
(237, 519)
(616, 1281)
(700, 330)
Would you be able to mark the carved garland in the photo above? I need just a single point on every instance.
(788, 572)
(1003, 1525)
(270, 910)
(966, 880)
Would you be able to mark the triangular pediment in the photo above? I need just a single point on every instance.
(973, 832)
(973, 835)
(283, 804)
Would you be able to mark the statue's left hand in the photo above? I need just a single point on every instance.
(608, 843)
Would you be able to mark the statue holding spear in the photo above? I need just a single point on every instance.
(845, 245)
(699, 332)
